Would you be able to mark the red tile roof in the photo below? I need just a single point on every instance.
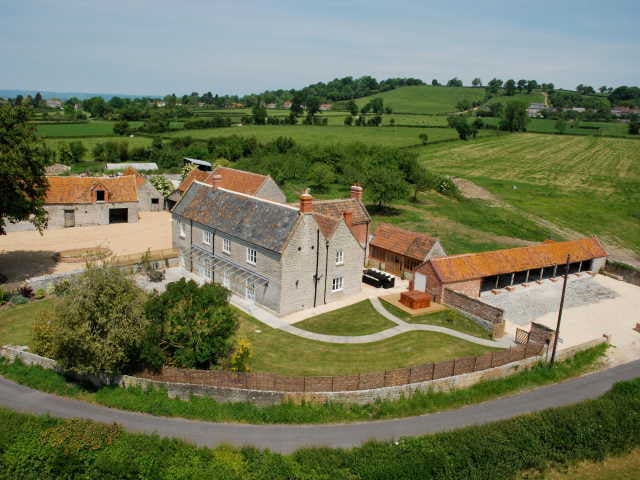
(327, 225)
(237, 180)
(470, 266)
(403, 242)
(132, 171)
(69, 190)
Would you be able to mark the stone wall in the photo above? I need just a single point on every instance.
(485, 315)
(622, 271)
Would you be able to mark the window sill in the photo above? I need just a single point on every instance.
(336, 291)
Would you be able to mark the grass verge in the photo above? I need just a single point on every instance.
(156, 401)
(443, 318)
(357, 319)
(44, 447)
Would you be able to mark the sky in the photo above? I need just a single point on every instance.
(154, 47)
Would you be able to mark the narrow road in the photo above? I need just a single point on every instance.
(288, 438)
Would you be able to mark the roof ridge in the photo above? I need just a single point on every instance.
(259, 199)
(238, 170)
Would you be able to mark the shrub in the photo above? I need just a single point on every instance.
(98, 326)
(40, 293)
(19, 300)
(191, 326)
(62, 287)
(240, 359)
(26, 291)
(4, 296)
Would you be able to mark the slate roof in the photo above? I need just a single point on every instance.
(403, 242)
(472, 266)
(254, 220)
(68, 190)
(335, 209)
(232, 179)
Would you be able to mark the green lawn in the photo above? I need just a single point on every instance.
(280, 352)
(91, 128)
(16, 321)
(425, 99)
(443, 318)
(357, 319)
(317, 135)
(589, 184)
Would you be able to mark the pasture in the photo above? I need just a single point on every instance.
(90, 142)
(93, 128)
(533, 97)
(587, 184)
(604, 129)
(425, 99)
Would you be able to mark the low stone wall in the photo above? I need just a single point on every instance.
(625, 272)
(485, 315)
(442, 377)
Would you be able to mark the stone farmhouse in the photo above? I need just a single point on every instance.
(82, 201)
(254, 184)
(400, 251)
(284, 258)
(474, 273)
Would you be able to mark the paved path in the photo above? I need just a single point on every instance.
(288, 438)
(400, 328)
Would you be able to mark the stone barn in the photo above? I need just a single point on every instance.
(400, 251)
(474, 273)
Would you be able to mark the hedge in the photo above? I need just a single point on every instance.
(46, 448)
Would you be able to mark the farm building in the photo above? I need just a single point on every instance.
(284, 258)
(400, 251)
(262, 186)
(474, 273)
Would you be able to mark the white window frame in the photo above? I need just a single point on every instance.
(337, 284)
(226, 245)
(207, 237)
(181, 227)
(250, 290)
(252, 256)
(339, 257)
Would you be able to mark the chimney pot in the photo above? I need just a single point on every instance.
(306, 202)
(356, 192)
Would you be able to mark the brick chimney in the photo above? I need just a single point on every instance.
(216, 180)
(348, 218)
(306, 202)
(356, 192)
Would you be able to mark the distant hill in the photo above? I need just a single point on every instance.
(425, 99)
(66, 95)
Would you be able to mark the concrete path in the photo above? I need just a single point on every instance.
(288, 438)
(400, 328)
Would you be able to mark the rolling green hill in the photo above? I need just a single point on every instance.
(425, 99)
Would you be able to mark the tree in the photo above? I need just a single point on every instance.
(161, 184)
(38, 101)
(494, 85)
(603, 89)
(23, 184)
(515, 117)
(522, 84)
(121, 128)
(561, 126)
(321, 176)
(98, 326)
(191, 326)
(64, 153)
(259, 114)
(454, 82)
(634, 125)
(532, 85)
(476, 82)
(386, 185)
(461, 125)
(424, 138)
(313, 105)
(510, 87)
(435, 83)
(352, 108)
(78, 151)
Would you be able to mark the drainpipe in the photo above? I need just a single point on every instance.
(190, 245)
(315, 278)
(213, 254)
(326, 270)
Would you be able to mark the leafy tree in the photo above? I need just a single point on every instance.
(321, 176)
(385, 185)
(454, 82)
(352, 107)
(510, 87)
(191, 326)
(494, 85)
(38, 101)
(121, 128)
(477, 124)
(463, 105)
(634, 125)
(522, 84)
(162, 184)
(424, 138)
(435, 83)
(515, 117)
(495, 109)
(78, 151)
(259, 114)
(461, 125)
(98, 326)
(476, 82)
(313, 105)
(23, 184)
(532, 85)
(348, 120)
(64, 153)
(561, 126)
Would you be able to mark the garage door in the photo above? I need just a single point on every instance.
(118, 215)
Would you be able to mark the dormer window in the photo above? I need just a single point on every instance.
(100, 196)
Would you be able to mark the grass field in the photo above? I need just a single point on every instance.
(606, 129)
(93, 128)
(280, 352)
(91, 142)
(588, 184)
(623, 467)
(443, 318)
(533, 97)
(425, 99)
(357, 319)
(16, 322)
(310, 135)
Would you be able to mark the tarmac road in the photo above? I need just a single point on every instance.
(288, 438)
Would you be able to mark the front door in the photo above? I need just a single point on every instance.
(69, 218)
(251, 291)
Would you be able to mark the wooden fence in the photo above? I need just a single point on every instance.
(362, 381)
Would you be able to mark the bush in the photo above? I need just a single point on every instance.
(97, 327)
(155, 276)
(40, 294)
(4, 296)
(62, 287)
(26, 291)
(19, 300)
